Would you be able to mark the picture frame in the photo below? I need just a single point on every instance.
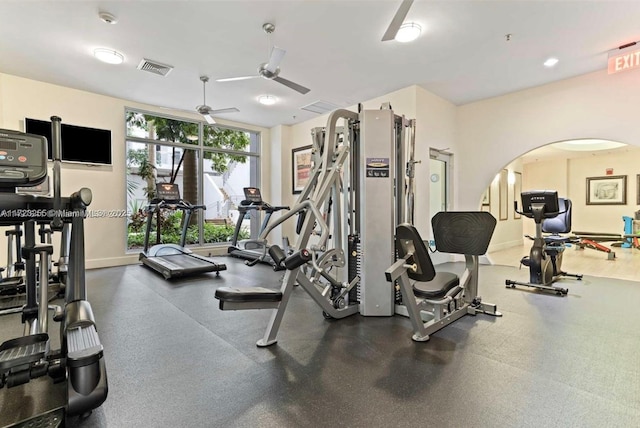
(301, 166)
(638, 188)
(517, 190)
(486, 197)
(607, 190)
(503, 189)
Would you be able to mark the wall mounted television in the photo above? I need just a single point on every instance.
(79, 144)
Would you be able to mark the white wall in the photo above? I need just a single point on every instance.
(509, 229)
(493, 132)
(105, 237)
(496, 131)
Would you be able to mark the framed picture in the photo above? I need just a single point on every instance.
(301, 166)
(503, 189)
(608, 190)
(638, 188)
(517, 189)
(486, 197)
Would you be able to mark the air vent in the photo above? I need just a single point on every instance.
(154, 67)
(320, 107)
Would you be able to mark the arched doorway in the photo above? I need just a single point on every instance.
(568, 167)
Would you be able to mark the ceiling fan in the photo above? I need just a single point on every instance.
(206, 111)
(397, 20)
(270, 69)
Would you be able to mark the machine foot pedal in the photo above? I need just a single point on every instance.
(23, 350)
(52, 419)
(83, 346)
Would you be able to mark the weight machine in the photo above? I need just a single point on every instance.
(345, 224)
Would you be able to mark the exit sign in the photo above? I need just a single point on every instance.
(625, 60)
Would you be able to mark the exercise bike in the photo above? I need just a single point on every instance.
(552, 215)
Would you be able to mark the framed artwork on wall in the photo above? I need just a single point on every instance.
(503, 189)
(517, 189)
(301, 166)
(607, 190)
(486, 197)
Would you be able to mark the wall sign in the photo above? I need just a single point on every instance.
(625, 60)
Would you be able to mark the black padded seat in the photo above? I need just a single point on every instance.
(437, 287)
(248, 294)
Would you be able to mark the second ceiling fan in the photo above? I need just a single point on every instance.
(270, 69)
(206, 111)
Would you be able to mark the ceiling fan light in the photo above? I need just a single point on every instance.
(408, 32)
(267, 100)
(108, 55)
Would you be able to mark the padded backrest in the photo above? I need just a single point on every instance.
(562, 222)
(408, 240)
(463, 232)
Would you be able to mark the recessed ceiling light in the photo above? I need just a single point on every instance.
(267, 100)
(550, 62)
(408, 32)
(108, 55)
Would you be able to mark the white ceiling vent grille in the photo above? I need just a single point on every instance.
(320, 107)
(154, 67)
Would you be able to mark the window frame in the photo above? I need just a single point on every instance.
(253, 155)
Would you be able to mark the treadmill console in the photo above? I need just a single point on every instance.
(252, 196)
(23, 159)
(168, 192)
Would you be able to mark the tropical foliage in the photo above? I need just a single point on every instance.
(139, 163)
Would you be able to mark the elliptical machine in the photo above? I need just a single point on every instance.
(551, 215)
(79, 362)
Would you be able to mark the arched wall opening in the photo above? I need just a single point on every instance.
(572, 170)
(490, 134)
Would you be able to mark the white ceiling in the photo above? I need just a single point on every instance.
(333, 48)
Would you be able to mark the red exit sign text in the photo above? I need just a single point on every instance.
(624, 61)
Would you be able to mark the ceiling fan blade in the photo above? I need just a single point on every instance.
(224, 110)
(291, 85)
(275, 59)
(232, 79)
(209, 119)
(397, 20)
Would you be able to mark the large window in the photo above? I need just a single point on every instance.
(210, 164)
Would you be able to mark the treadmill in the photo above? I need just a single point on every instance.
(171, 260)
(251, 250)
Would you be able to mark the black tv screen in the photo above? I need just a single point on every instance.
(79, 144)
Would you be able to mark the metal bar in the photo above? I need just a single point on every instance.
(43, 290)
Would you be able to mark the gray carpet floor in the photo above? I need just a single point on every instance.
(175, 360)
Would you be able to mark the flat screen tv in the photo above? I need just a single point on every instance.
(79, 144)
